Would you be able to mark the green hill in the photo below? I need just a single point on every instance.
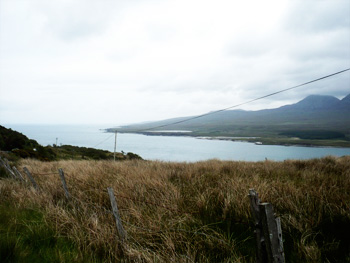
(18, 145)
(323, 116)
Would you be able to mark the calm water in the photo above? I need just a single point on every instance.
(169, 148)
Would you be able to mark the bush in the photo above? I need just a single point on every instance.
(315, 135)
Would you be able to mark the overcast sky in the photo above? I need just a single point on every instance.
(127, 61)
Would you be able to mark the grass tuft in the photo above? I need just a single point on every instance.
(182, 212)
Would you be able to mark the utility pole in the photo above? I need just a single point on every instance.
(115, 143)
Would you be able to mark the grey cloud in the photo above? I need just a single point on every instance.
(330, 46)
(250, 45)
(318, 16)
(161, 33)
(76, 19)
(129, 54)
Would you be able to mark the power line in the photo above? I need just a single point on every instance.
(103, 141)
(53, 173)
(240, 104)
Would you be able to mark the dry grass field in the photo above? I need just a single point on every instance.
(174, 212)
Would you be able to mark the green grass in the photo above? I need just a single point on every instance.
(26, 237)
(179, 212)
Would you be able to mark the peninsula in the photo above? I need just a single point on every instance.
(317, 120)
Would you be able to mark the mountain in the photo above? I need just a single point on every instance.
(314, 114)
(345, 103)
(314, 102)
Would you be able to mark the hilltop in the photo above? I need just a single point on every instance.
(315, 120)
(17, 145)
(174, 212)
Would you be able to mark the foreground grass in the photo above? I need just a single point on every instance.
(26, 237)
(178, 212)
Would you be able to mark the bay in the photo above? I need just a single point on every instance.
(169, 148)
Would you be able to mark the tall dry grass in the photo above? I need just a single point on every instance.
(192, 212)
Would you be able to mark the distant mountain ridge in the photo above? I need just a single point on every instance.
(345, 103)
(314, 114)
(320, 102)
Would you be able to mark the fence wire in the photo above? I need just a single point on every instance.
(78, 202)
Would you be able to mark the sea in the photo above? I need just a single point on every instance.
(169, 148)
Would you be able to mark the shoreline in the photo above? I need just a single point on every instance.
(256, 140)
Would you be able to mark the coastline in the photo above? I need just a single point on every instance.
(281, 141)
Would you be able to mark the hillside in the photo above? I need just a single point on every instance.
(16, 145)
(325, 116)
(20, 145)
(174, 212)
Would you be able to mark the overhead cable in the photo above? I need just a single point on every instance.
(240, 104)
(103, 141)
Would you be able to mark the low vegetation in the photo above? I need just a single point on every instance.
(16, 145)
(69, 152)
(315, 135)
(20, 146)
(314, 121)
(174, 212)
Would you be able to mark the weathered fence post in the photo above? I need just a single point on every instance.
(31, 178)
(268, 231)
(6, 162)
(280, 239)
(60, 171)
(273, 239)
(19, 175)
(121, 231)
(261, 256)
(7, 167)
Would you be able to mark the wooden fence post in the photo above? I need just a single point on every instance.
(280, 239)
(60, 171)
(121, 231)
(261, 255)
(31, 178)
(273, 238)
(268, 231)
(19, 175)
(7, 167)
